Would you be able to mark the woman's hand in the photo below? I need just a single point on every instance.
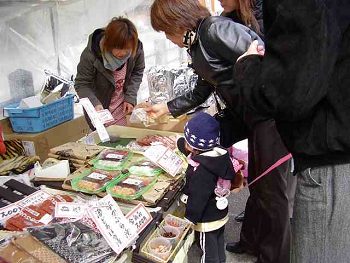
(254, 49)
(127, 107)
(157, 110)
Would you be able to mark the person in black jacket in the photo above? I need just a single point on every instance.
(249, 13)
(207, 164)
(303, 83)
(214, 43)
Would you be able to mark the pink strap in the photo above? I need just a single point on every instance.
(275, 165)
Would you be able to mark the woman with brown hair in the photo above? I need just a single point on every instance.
(111, 68)
(245, 12)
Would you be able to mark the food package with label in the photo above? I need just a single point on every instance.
(94, 181)
(35, 215)
(29, 216)
(111, 159)
(145, 168)
(131, 187)
(167, 141)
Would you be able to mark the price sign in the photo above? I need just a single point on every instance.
(93, 115)
(34, 199)
(112, 224)
(70, 210)
(9, 211)
(13, 209)
(139, 217)
(105, 116)
(165, 158)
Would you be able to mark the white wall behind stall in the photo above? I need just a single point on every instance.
(37, 35)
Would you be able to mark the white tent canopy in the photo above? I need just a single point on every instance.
(38, 35)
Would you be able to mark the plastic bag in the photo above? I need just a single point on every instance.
(139, 115)
(75, 242)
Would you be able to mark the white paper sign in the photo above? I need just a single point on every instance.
(93, 115)
(139, 217)
(112, 224)
(13, 209)
(9, 211)
(165, 158)
(34, 199)
(97, 176)
(70, 210)
(105, 116)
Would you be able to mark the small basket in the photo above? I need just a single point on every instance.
(41, 118)
(145, 251)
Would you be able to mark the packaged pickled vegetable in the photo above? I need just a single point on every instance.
(111, 159)
(145, 168)
(94, 181)
(131, 187)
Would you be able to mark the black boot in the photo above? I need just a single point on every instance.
(237, 248)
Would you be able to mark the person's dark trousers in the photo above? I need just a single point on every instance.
(266, 226)
(213, 246)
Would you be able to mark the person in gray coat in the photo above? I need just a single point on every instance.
(111, 68)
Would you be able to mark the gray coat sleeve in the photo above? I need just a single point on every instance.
(84, 81)
(133, 85)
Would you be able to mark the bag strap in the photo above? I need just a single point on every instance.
(275, 165)
(218, 107)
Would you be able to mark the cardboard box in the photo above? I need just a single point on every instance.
(172, 124)
(40, 143)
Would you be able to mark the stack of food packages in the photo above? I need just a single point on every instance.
(125, 174)
(78, 154)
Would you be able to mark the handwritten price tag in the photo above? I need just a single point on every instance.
(9, 211)
(139, 217)
(34, 199)
(13, 209)
(165, 158)
(69, 210)
(90, 110)
(112, 224)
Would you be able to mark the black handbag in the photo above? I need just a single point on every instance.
(232, 128)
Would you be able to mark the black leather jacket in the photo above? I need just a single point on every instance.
(219, 42)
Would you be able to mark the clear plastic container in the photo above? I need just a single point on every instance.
(170, 233)
(111, 159)
(160, 247)
(94, 181)
(145, 167)
(175, 221)
(130, 187)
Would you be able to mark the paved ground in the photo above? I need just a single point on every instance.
(236, 205)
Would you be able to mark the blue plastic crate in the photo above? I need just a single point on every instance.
(40, 118)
